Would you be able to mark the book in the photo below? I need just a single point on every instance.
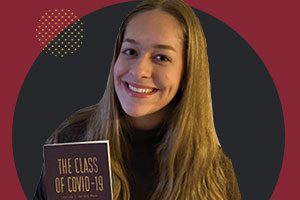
(79, 170)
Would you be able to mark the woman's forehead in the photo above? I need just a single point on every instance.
(154, 26)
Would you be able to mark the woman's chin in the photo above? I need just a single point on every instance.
(135, 113)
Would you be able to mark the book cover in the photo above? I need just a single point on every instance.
(78, 170)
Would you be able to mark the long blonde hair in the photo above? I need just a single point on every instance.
(191, 164)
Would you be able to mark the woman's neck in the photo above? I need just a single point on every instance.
(149, 122)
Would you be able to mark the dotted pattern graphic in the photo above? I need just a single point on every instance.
(59, 32)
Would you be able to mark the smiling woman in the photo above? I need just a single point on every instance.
(148, 70)
(156, 111)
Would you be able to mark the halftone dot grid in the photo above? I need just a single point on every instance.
(59, 32)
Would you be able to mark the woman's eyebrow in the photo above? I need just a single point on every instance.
(164, 46)
(131, 41)
(156, 46)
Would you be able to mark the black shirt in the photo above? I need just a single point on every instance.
(144, 167)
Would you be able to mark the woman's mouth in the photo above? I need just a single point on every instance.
(139, 90)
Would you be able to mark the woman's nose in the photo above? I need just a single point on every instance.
(141, 68)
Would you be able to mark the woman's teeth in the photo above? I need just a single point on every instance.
(139, 90)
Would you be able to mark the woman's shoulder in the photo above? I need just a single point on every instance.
(74, 132)
(232, 189)
(74, 128)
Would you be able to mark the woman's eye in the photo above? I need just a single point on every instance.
(161, 58)
(129, 52)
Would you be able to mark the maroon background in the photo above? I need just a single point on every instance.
(271, 28)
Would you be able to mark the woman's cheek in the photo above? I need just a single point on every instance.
(119, 68)
(117, 71)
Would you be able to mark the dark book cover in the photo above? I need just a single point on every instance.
(78, 170)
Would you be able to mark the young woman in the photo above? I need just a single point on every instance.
(156, 111)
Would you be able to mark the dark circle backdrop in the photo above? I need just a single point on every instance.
(247, 110)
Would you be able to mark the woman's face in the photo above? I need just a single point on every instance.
(148, 70)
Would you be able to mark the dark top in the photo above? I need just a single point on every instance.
(144, 179)
(143, 164)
